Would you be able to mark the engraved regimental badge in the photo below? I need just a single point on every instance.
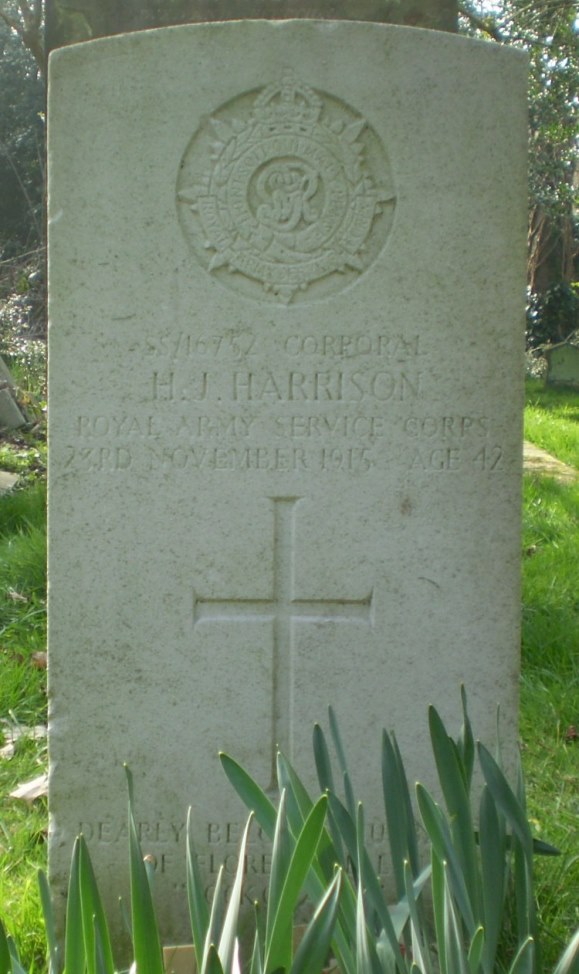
(285, 194)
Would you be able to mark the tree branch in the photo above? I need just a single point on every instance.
(485, 24)
(29, 29)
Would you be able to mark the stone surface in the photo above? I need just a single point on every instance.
(536, 460)
(286, 278)
(179, 960)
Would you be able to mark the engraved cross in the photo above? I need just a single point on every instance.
(284, 610)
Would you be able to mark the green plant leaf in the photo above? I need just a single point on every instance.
(337, 740)
(420, 951)
(344, 825)
(505, 799)
(100, 959)
(265, 813)
(92, 912)
(256, 955)
(322, 759)
(395, 812)
(146, 944)
(524, 962)
(198, 909)
(475, 951)
(253, 796)
(520, 787)
(349, 792)
(456, 959)
(465, 742)
(326, 781)
(278, 950)
(342, 763)
(312, 953)
(399, 913)
(214, 923)
(374, 892)
(399, 814)
(74, 953)
(49, 926)
(512, 807)
(438, 908)
(298, 802)
(283, 846)
(524, 895)
(228, 940)
(542, 848)
(17, 967)
(568, 963)
(455, 955)
(494, 873)
(366, 957)
(453, 781)
(5, 958)
(363, 958)
(250, 793)
(213, 962)
(440, 836)
(386, 955)
(299, 806)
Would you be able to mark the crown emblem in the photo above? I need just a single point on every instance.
(288, 104)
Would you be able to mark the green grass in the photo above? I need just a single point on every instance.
(551, 577)
(22, 704)
(550, 659)
(549, 685)
(549, 708)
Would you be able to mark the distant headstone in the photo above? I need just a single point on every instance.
(563, 365)
(286, 417)
(7, 481)
(11, 416)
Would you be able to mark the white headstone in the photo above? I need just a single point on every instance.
(286, 302)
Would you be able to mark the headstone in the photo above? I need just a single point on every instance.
(563, 364)
(7, 481)
(11, 416)
(287, 267)
(6, 379)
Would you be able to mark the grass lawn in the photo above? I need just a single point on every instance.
(549, 684)
(550, 660)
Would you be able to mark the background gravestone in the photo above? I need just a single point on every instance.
(287, 267)
(11, 416)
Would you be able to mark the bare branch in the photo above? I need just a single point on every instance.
(485, 24)
(29, 29)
